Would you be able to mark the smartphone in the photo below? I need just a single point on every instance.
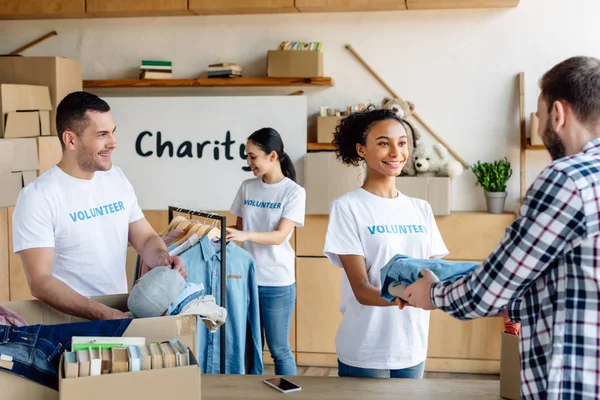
(283, 385)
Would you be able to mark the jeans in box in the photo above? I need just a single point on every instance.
(36, 349)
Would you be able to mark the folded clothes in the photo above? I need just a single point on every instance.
(402, 270)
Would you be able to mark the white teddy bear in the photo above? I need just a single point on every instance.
(434, 161)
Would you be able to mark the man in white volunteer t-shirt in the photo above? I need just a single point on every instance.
(72, 225)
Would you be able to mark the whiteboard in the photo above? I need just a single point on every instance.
(189, 151)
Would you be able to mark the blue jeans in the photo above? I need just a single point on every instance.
(36, 349)
(415, 372)
(276, 309)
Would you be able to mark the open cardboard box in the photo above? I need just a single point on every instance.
(25, 111)
(153, 384)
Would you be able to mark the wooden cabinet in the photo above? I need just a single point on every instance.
(207, 7)
(349, 5)
(319, 288)
(130, 8)
(40, 9)
(450, 4)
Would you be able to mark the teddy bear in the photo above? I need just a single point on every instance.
(405, 109)
(434, 161)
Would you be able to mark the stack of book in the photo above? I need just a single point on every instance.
(224, 70)
(99, 356)
(310, 46)
(152, 69)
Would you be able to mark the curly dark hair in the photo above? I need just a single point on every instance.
(354, 129)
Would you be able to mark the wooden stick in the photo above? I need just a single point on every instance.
(417, 117)
(36, 41)
(297, 93)
(523, 135)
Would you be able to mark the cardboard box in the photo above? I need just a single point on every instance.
(25, 154)
(61, 75)
(326, 179)
(294, 64)
(20, 107)
(510, 367)
(156, 384)
(126, 386)
(11, 184)
(7, 151)
(49, 152)
(436, 190)
(4, 255)
(326, 127)
(29, 176)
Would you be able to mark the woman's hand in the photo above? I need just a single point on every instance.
(236, 235)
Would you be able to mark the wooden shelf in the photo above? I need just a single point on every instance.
(320, 147)
(215, 86)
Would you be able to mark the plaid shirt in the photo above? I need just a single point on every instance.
(546, 270)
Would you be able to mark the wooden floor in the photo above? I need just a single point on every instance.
(320, 371)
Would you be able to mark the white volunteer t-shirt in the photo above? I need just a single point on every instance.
(87, 223)
(377, 228)
(262, 206)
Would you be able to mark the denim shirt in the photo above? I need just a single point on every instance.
(407, 270)
(203, 264)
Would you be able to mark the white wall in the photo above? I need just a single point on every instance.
(459, 66)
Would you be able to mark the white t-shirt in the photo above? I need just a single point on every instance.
(85, 221)
(377, 228)
(262, 206)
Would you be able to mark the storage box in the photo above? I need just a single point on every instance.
(11, 184)
(25, 110)
(49, 152)
(7, 151)
(61, 75)
(25, 154)
(294, 64)
(326, 127)
(326, 179)
(29, 176)
(510, 367)
(125, 386)
(154, 384)
(437, 191)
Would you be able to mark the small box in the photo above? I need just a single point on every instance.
(7, 153)
(20, 107)
(49, 152)
(29, 176)
(510, 367)
(294, 64)
(437, 191)
(61, 75)
(326, 127)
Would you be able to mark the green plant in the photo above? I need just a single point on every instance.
(492, 177)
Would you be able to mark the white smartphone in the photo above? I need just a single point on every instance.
(283, 385)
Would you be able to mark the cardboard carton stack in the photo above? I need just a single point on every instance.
(61, 75)
(25, 124)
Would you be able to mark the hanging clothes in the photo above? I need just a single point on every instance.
(203, 264)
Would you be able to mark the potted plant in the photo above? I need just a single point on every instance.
(492, 177)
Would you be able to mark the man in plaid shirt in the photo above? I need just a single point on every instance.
(545, 272)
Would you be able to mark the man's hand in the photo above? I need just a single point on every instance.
(400, 303)
(419, 293)
(112, 313)
(173, 262)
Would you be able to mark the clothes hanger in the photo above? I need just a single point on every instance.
(174, 222)
(188, 232)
